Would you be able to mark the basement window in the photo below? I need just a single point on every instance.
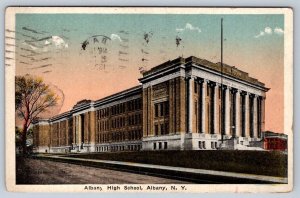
(200, 145)
(159, 145)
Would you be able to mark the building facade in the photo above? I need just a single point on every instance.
(275, 141)
(183, 104)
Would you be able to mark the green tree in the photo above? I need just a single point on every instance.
(32, 97)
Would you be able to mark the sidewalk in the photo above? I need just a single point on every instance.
(171, 169)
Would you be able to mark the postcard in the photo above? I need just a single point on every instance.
(149, 99)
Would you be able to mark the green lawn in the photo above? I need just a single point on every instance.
(253, 162)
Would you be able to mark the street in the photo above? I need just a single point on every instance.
(35, 171)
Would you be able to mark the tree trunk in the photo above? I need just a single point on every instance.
(24, 138)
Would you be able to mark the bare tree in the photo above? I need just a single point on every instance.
(33, 97)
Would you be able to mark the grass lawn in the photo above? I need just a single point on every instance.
(252, 162)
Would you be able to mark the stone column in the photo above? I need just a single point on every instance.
(263, 114)
(78, 130)
(238, 130)
(171, 106)
(247, 116)
(150, 107)
(67, 133)
(59, 134)
(145, 112)
(93, 128)
(182, 105)
(216, 110)
(227, 112)
(255, 117)
(190, 104)
(204, 90)
(73, 130)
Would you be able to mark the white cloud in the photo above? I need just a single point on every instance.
(260, 34)
(31, 46)
(50, 43)
(269, 31)
(179, 29)
(188, 26)
(115, 36)
(59, 42)
(278, 30)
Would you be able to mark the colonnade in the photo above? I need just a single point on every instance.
(224, 110)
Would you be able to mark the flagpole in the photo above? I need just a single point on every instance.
(222, 94)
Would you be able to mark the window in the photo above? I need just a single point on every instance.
(167, 108)
(195, 87)
(200, 145)
(212, 145)
(165, 145)
(129, 106)
(216, 145)
(139, 104)
(161, 109)
(154, 145)
(162, 129)
(156, 129)
(139, 119)
(156, 110)
(159, 145)
(136, 118)
(203, 145)
(124, 107)
(166, 128)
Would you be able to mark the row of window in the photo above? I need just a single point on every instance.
(132, 105)
(128, 148)
(160, 145)
(121, 136)
(119, 122)
(202, 145)
(161, 129)
(118, 109)
(161, 109)
(134, 119)
(119, 148)
(103, 125)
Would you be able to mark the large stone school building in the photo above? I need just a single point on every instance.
(183, 104)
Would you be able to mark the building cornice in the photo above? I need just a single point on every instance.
(231, 72)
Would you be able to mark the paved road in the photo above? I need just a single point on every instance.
(34, 171)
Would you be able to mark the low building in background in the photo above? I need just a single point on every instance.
(275, 141)
(183, 104)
